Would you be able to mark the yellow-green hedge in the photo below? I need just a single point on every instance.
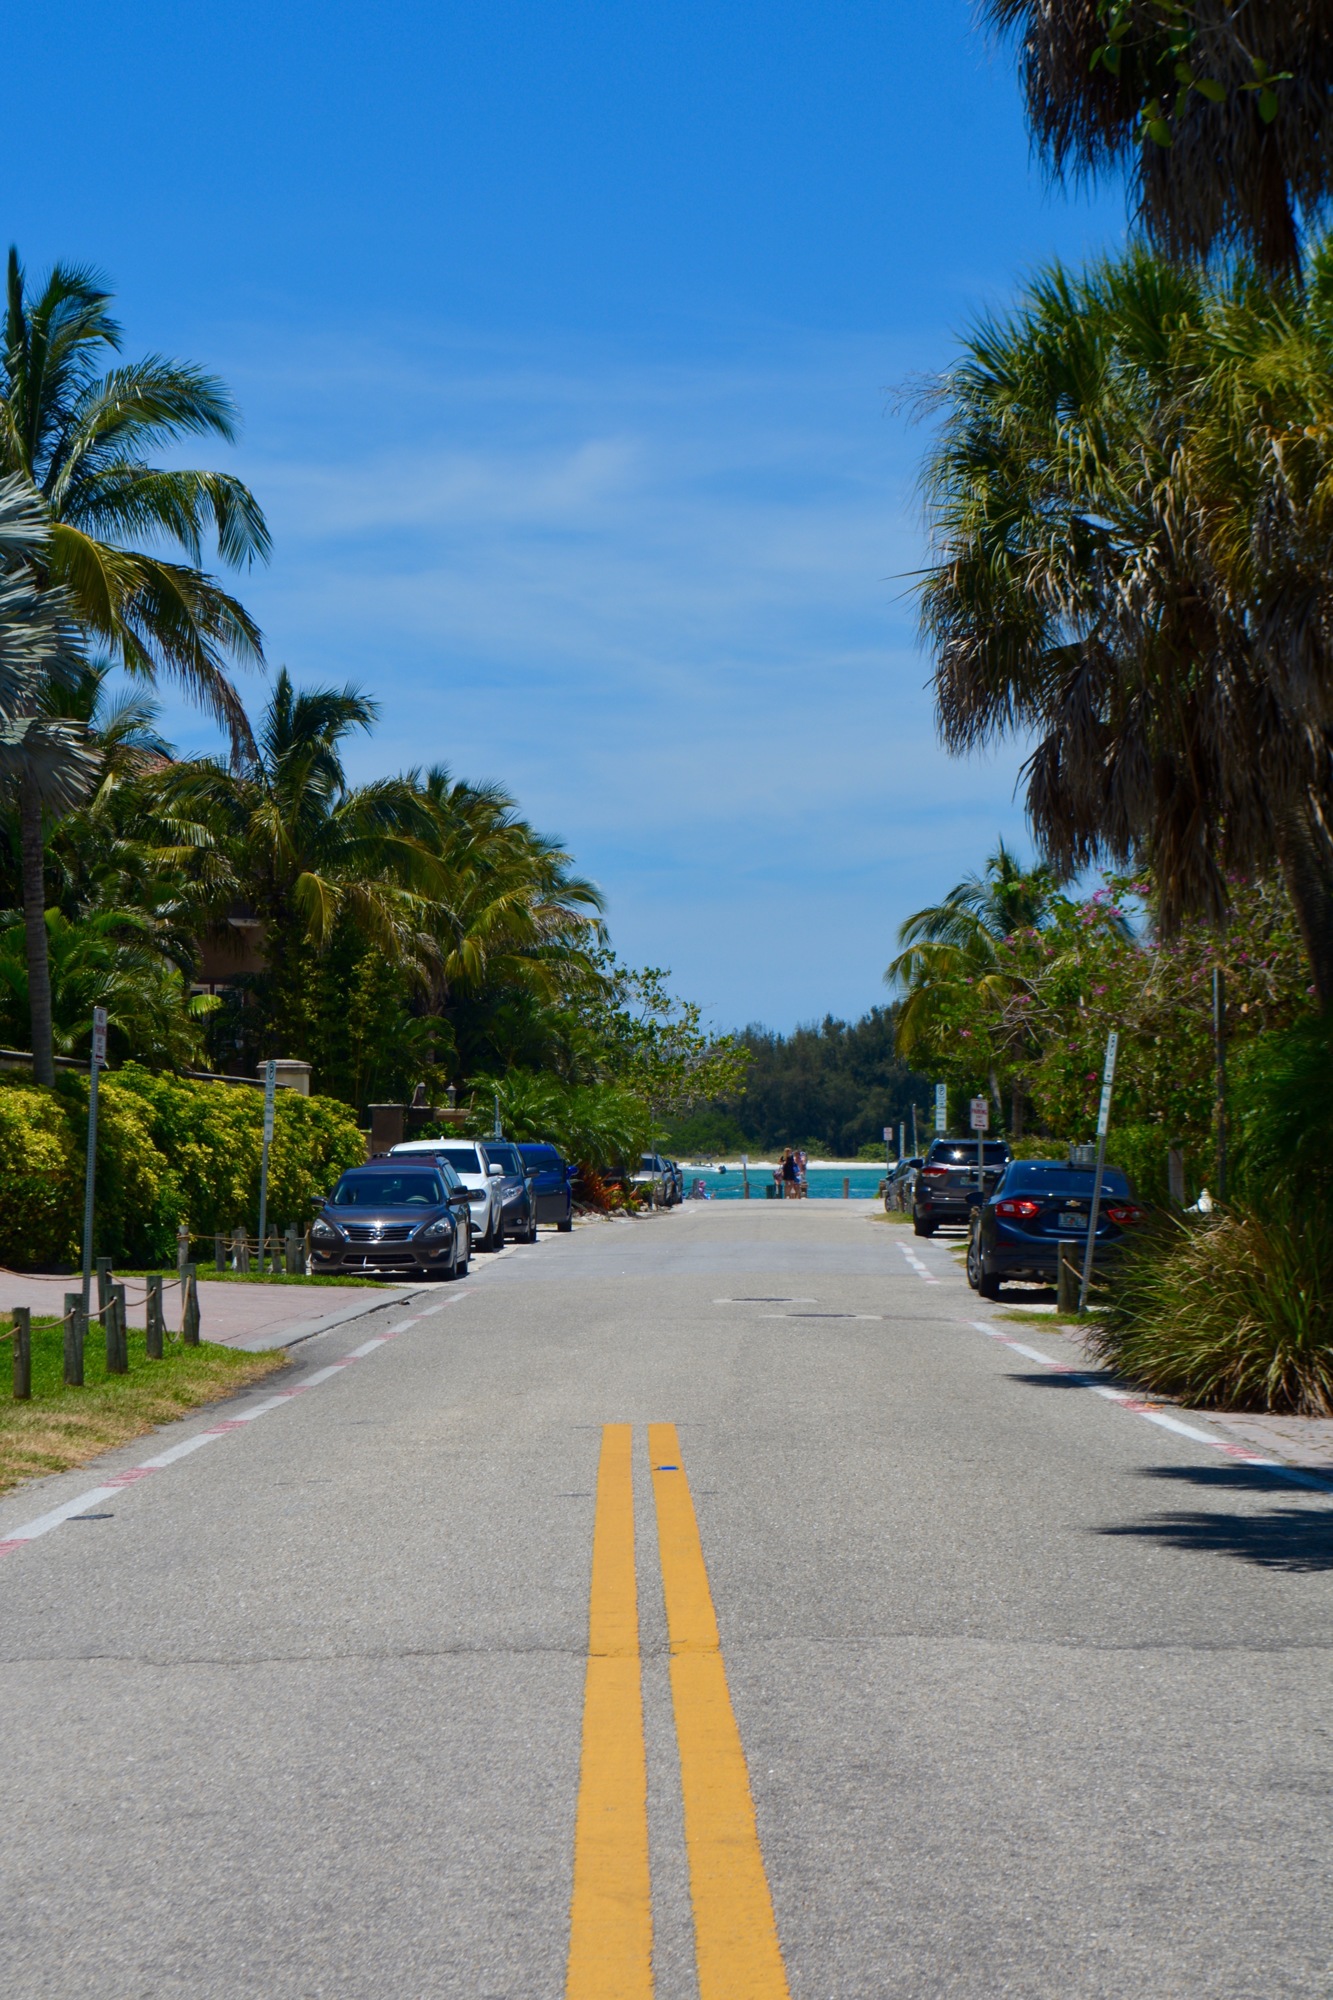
(168, 1151)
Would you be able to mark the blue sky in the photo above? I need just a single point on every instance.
(567, 338)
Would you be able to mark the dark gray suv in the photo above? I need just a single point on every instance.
(397, 1219)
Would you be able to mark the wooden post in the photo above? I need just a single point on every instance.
(1066, 1278)
(153, 1318)
(240, 1250)
(846, 1187)
(292, 1251)
(190, 1308)
(76, 1325)
(117, 1335)
(22, 1318)
(1175, 1176)
(219, 1252)
(103, 1283)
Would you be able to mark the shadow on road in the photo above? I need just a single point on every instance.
(1296, 1539)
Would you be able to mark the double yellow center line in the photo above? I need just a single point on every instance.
(736, 1942)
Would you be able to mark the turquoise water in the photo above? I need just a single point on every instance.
(825, 1182)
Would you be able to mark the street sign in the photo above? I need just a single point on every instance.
(941, 1107)
(888, 1133)
(99, 1034)
(1108, 1078)
(980, 1113)
(95, 1066)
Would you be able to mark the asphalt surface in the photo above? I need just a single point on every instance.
(1034, 1694)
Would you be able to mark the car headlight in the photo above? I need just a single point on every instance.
(323, 1232)
(433, 1231)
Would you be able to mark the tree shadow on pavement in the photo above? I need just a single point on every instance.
(1297, 1539)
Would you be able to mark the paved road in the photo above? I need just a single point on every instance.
(1031, 1695)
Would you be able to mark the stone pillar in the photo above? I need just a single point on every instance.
(387, 1126)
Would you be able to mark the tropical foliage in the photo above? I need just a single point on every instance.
(1223, 114)
(1130, 495)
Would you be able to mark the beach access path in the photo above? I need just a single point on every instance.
(719, 1606)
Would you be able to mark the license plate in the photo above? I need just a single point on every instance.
(1070, 1221)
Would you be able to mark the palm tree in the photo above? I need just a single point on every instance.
(80, 438)
(1222, 113)
(306, 850)
(44, 764)
(1128, 497)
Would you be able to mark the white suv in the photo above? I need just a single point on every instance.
(484, 1183)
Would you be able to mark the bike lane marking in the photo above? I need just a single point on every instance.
(55, 1517)
(1127, 1400)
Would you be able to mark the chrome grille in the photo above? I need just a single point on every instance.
(377, 1232)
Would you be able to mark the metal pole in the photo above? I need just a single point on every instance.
(270, 1094)
(1103, 1121)
(915, 1148)
(97, 1058)
(1220, 1074)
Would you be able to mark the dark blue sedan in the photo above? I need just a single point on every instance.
(551, 1184)
(1037, 1205)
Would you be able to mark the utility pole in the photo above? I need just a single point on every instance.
(270, 1102)
(95, 1063)
(1103, 1122)
(1220, 1075)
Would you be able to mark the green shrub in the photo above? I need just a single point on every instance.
(1232, 1313)
(168, 1151)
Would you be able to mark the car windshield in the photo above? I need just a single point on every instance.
(963, 1153)
(1056, 1177)
(540, 1156)
(463, 1159)
(506, 1157)
(385, 1190)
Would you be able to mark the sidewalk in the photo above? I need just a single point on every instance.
(251, 1317)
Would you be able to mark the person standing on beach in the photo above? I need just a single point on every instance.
(790, 1179)
(802, 1175)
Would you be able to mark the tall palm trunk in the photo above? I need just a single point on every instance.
(34, 924)
(1306, 857)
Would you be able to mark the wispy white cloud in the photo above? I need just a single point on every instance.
(665, 605)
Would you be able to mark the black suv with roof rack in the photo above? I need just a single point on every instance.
(945, 1185)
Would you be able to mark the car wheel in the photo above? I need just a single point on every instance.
(531, 1236)
(920, 1228)
(498, 1242)
(565, 1224)
(988, 1284)
(973, 1261)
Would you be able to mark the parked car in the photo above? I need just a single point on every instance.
(654, 1172)
(898, 1185)
(518, 1198)
(1035, 1206)
(945, 1185)
(471, 1162)
(395, 1217)
(552, 1182)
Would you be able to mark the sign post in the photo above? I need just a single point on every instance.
(90, 1170)
(1103, 1121)
(270, 1105)
(941, 1109)
(979, 1111)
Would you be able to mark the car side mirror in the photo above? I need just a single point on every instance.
(496, 1173)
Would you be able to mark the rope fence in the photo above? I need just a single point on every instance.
(286, 1255)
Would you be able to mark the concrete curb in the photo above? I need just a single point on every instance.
(269, 1343)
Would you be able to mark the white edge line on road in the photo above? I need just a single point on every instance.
(1126, 1400)
(118, 1481)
